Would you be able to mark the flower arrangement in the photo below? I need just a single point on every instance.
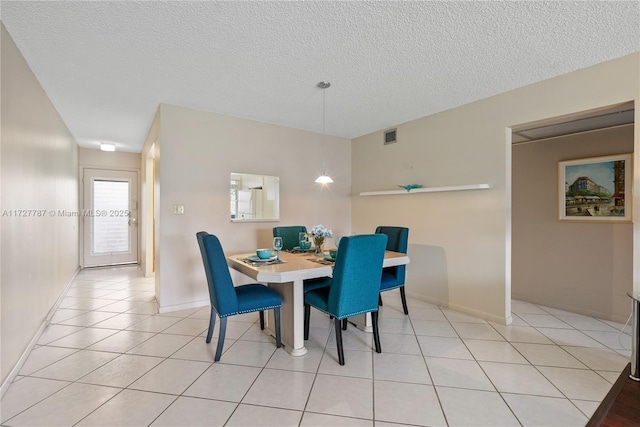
(319, 233)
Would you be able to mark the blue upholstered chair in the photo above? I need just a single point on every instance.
(290, 239)
(354, 288)
(393, 277)
(227, 300)
(290, 235)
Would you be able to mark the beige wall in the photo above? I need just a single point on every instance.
(199, 152)
(460, 241)
(39, 171)
(579, 267)
(88, 157)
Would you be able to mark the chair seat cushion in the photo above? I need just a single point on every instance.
(256, 297)
(320, 282)
(388, 281)
(319, 298)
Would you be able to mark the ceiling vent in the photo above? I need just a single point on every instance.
(390, 136)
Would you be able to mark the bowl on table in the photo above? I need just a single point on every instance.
(264, 253)
(333, 253)
(305, 246)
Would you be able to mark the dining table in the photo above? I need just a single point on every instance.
(287, 278)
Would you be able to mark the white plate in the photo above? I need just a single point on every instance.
(255, 258)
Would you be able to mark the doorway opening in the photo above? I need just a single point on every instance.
(150, 190)
(576, 266)
(109, 217)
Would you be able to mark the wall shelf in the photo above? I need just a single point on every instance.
(427, 190)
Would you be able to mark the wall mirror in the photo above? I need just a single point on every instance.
(254, 197)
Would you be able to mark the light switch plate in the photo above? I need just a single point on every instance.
(178, 209)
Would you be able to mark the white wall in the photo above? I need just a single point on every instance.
(574, 266)
(460, 241)
(39, 171)
(199, 152)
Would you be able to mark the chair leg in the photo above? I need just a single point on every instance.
(307, 316)
(339, 341)
(262, 320)
(276, 315)
(379, 299)
(376, 334)
(223, 330)
(344, 324)
(404, 300)
(212, 324)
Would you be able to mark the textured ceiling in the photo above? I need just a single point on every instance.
(107, 65)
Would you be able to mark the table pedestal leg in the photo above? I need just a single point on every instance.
(291, 316)
(363, 322)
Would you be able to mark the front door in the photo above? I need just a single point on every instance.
(110, 217)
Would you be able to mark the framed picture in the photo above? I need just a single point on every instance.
(594, 189)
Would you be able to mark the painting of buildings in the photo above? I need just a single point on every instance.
(594, 188)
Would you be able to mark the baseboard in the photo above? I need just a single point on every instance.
(619, 318)
(186, 306)
(463, 309)
(25, 354)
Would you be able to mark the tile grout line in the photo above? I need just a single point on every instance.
(424, 358)
(317, 370)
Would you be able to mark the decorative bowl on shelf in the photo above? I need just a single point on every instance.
(410, 187)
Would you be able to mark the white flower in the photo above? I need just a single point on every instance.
(321, 231)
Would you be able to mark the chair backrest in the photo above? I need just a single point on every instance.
(398, 242)
(356, 275)
(221, 291)
(290, 235)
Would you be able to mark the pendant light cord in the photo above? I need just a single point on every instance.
(324, 136)
(324, 178)
(324, 107)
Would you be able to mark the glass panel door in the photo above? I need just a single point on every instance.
(111, 220)
(109, 217)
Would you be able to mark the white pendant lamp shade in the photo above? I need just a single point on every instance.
(324, 179)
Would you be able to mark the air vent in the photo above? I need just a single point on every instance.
(390, 136)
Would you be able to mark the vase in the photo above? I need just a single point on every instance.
(319, 243)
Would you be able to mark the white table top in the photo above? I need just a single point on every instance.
(634, 295)
(297, 267)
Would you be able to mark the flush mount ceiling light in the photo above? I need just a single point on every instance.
(324, 178)
(107, 147)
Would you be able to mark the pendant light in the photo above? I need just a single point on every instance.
(324, 178)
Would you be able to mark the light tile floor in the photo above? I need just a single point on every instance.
(109, 359)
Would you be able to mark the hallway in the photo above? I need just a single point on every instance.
(108, 358)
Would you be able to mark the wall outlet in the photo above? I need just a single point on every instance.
(178, 209)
